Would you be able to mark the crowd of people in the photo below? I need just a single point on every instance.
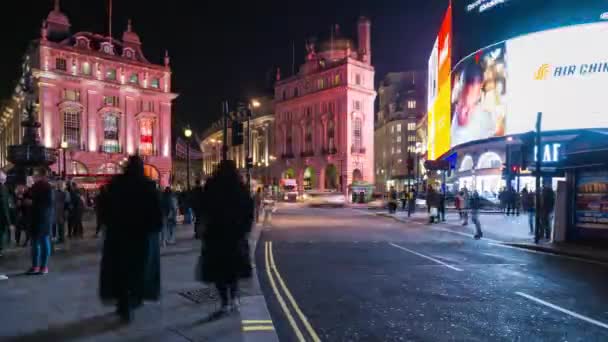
(136, 219)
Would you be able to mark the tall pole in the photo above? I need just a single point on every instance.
(65, 166)
(248, 161)
(188, 165)
(225, 132)
(538, 156)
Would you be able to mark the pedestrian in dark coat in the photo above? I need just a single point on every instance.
(43, 217)
(75, 228)
(228, 214)
(60, 210)
(23, 202)
(5, 218)
(130, 264)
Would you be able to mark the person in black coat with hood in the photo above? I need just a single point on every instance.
(227, 209)
(130, 264)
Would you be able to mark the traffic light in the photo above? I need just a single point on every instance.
(515, 169)
(237, 133)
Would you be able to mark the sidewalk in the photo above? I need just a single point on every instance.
(508, 230)
(64, 305)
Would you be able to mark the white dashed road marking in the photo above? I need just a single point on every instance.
(426, 257)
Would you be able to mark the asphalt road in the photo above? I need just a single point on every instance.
(343, 275)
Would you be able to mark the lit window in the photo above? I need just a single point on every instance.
(111, 74)
(155, 83)
(71, 128)
(398, 127)
(411, 104)
(330, 133)
(86, 69)
(337, 79)
(357, 105)
(398, 150)
(392, 129)
(358, 79)
(320, 83)
(411, 138)
(399, 161)
(134, 79)
(146, 137)
(110, 133)
(71, 95)
(411, 126)
(60, 64)
(392, 150)
(398, 138)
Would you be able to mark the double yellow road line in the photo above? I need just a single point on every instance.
(272, 272)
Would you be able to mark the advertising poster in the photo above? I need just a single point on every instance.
(592, 200)
(479, 96)
(431, 97)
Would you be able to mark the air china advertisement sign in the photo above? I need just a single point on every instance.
(592, 200)
(562, 73)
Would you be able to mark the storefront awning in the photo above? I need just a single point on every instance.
(588, 149)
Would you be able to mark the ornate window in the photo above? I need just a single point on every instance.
(111, 123)
(109, 169)
(71, 127)
(77, 168)
(337, 79)
(357, 136)
(308, 136)
(155, 83)
(146, 137)
(330, 134)
(71, 95)
(134, 79)
(110, 101)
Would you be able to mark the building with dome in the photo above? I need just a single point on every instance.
(100, 97)
(324, 115)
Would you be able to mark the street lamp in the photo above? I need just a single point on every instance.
(188, 135)
(64, 146)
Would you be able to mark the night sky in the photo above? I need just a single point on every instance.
(230, 49)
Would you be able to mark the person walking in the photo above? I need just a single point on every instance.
(60, 213)
(130, 262)
(527, 204)
(195, 200)
(465, 206)
(411, 202)
(228, 213)
(258, 199)
(546, 210)
(169, 210)
(433, 202)
(75, 228)
(475, 206)
(441, 208)
(392, 200)
(100, 206)
(268, 206)
(5, 217)
(43, 212)
(24, 211)
(458, 203)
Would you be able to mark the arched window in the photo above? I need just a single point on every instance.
(489, 160)
(357, 139)
(110, 133)
(151, 172)
(77, 168)
(71, 127)
(466, 164)
(146, 137)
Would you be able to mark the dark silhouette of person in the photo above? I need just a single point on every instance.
(227, 210)
(130, 264)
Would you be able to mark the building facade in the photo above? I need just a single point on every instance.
(325, 115)
(398, 135)
(261, 130)
(101, 97)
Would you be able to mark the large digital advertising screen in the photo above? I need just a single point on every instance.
(561, 72)
(479, 23)
(440, 65)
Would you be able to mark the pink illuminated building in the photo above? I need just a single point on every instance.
(324, 115)
(102, 97)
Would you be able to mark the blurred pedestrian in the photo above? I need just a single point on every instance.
(475, 205)
(5, 218)
(75, 212)
(528, 206)
(195, 200)
(60, 212)
(258, 204)
(458, 203)
(24, 211)
(169, 210)
(43, 212)
(411, 202)
(228, 212)
(441, 208)
(433, 202)
(465, 206)
(130, 264)
(392, 200)
(268, 206)
(100, 206)
(546, 210)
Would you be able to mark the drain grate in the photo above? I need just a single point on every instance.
(200, 296)
(207, 295)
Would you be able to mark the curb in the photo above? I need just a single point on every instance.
(555, 251)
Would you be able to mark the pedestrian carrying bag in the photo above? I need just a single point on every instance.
(434, 211)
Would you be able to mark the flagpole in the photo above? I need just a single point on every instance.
(110, 20)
